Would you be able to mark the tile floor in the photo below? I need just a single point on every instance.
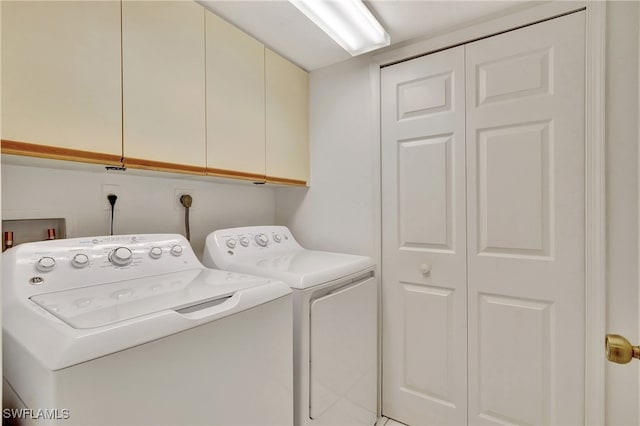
(385, 421)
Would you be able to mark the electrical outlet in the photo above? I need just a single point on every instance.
(178, 192)
(111, 189)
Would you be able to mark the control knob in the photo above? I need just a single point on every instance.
(80, 260)
(155, 252)
(244, 241)
(176, 250)
(262, 240)
(46, 264)
(277, 238)
(121, 256)
(231, 243)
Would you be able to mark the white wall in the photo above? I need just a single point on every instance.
(622, 204)
(341, 209)
(146, 204)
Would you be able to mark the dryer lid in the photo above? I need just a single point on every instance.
(301, 269)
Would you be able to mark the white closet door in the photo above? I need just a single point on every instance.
(424, 250)
(525, 170)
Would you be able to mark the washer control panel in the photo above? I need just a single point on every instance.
(78, 262)
(226, 245)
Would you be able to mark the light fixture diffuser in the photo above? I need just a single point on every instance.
(348, 22)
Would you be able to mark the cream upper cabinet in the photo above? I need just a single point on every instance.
(287, 126)
(235, 101)
(163, 60)
(163, 85)
(61, 82)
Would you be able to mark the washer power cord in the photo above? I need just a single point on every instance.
(186, 201)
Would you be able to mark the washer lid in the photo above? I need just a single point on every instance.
(104, 304)
(302, 269)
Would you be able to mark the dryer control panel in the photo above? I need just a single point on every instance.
(79, 262)
(248, 241)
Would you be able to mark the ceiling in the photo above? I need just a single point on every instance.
(284, 29)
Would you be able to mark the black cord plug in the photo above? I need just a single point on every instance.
(112, 200)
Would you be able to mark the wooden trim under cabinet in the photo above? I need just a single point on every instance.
(56, 153)
(235, 174)
(67, 154)
(161, 166)
(286, 181)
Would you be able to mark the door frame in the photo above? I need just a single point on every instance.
(595, 196)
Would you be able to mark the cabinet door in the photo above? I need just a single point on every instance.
(61, 82)
(164, 85)
(235, 101)
(287, 137)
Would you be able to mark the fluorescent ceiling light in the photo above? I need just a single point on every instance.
(348, 22)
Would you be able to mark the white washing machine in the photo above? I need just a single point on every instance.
(335, 319)
(132, 329)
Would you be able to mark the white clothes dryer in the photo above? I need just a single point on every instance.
(335, 319)
(132, 329)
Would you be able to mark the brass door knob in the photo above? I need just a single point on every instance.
(619, 349)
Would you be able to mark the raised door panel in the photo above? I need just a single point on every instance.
(526, 224)
(423, 240)
(514, 213)
(287, 125)
(515, 375)
(425, 216)
(235, 101)
(163, 56)
(61, 85)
